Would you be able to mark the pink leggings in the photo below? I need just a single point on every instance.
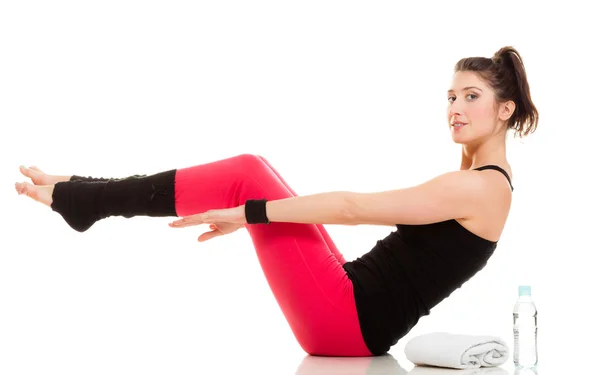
(302, 265)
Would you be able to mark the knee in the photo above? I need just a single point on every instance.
(251, 159)
(254, 166)
(252, 163)
(260, 176)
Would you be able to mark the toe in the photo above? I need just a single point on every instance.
(20, 187)
(35, 174)
(26, 188)
(42, 194)
(26, 171)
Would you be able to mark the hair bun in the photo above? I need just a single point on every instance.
(505, 56)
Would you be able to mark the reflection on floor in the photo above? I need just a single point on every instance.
(387, 364)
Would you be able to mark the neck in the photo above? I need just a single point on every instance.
(489, 151)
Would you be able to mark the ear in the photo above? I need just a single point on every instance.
(506, 110)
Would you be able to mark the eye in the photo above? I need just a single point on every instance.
(473, 95)
(450, 98)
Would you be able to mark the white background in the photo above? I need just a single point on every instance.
(337, 96)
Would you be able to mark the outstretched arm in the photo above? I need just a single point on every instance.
(451, 195)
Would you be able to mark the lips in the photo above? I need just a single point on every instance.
(458, 124)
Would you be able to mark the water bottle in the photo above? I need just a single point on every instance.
(525, 354)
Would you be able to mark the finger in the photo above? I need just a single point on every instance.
(179, 224)
(183, 224)
(186, 222)
(208, 235)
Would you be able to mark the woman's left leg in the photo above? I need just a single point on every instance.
(307, 281)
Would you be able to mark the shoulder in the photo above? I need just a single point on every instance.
(495, 181)
(470, 183)
(478, 190)
(477, 181)
(491, 205)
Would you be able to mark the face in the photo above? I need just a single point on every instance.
(472, 114)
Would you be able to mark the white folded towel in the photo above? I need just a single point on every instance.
(456, 351)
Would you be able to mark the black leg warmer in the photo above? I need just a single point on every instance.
(82, 202)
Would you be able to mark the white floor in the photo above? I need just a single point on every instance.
(391, 364)
(90, 357)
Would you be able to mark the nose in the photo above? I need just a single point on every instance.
(455, 109)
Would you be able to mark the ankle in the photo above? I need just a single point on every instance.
(53, 180)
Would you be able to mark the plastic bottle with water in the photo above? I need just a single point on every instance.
(525, 353)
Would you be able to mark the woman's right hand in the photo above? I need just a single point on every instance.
(219, 229)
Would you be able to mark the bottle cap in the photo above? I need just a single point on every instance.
(524, 290)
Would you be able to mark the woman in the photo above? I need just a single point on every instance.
(446, 228)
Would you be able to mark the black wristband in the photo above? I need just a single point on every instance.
(256, 211)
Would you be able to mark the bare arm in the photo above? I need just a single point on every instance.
(452, 195)
(322, 208)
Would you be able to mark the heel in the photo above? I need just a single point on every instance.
(78, 202)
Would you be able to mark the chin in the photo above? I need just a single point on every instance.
(458, 140)
(461, 138)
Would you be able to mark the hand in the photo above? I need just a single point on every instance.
(224, 221)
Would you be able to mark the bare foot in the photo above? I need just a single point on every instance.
(38, 177)
(40, 193)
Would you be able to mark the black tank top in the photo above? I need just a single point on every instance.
(409, 272)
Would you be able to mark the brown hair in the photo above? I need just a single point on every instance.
(505, 73)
